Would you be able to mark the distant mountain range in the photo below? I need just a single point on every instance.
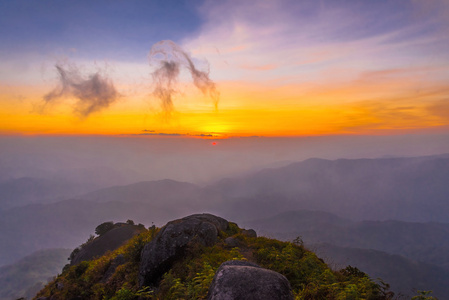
(406, 189)
(427, 242)
(29, 275)
(406, 255)
(56, 186)
(345, 203)
(404, 276)
(166, 192)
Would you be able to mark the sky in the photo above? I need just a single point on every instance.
(221, 69)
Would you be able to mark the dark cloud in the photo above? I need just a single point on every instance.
(163, 134)
(93, 92)
(170, 58)
(153, 132)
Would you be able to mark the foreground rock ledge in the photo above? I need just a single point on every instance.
(170, 244)
(243, 280)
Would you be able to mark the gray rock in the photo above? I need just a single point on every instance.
(220, 223)
(249, 233)
(117, 261)
(231, 242)
(171, 242)
(244, 280)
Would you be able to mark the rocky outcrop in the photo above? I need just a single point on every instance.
(109, 241)
(172, 241)
(244, 280)
(233, 280)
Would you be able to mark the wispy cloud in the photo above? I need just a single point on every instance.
(170, 58)
(93, 92)
(307, 41)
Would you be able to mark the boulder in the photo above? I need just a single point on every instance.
(232, 242)
(220, 223)
(171, 243)
(249, 233)
(244, 280)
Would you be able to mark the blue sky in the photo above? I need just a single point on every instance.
(376, 64)
(97, 29)
(124, 29)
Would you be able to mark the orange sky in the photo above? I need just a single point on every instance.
(245, 109)
(335, 70)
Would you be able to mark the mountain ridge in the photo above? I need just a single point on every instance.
(204, 256)
(426, 242)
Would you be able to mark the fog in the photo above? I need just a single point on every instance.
(128, 159)
(54, 191)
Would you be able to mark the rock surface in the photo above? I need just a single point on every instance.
(171, 242)
(244, 280)
(232, 242)
(109, 241)
(119, 260)
(249, 233)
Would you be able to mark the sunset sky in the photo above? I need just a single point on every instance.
(281, 68)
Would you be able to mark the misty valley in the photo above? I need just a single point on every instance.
(386, 216)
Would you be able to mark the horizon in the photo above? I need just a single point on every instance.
(141, 158)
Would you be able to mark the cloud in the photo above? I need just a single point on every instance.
(202, 135)
(311, 41)
(440, 109)
(163, 134)
(170, 58)
(93, 92)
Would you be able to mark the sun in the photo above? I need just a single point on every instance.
(215, 130)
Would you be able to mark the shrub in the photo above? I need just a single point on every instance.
(104, 227)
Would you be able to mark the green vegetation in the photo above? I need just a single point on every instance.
(190, 277)
(424, 295)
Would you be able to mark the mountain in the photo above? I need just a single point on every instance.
(426, 242)
(204, 256)
(67, 223)
(160, 191)
(29, 275)
(406, 189)
(348, 188)
(57, 185)
(347, 192)
(28, 190)
(409, 256)
(404, 276)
